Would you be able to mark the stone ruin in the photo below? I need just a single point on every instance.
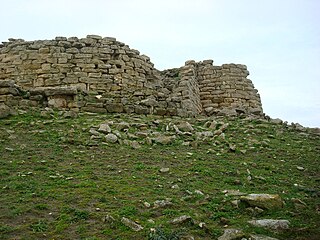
(97, 74)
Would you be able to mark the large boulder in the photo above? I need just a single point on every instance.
(271, 224)
(266, 201)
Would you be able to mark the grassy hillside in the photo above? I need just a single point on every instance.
(61, 178)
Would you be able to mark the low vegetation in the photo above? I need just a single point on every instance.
(59, 179)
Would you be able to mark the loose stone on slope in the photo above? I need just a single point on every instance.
(271, 224)
(112, 138)
(262, 237)
(108, 219)
(185, 127)
(94, 132)
(162, 203)
(164, 140)
(181, 219)
(70, 114)
(232, 147)
(131, 224)
(164, 170)
(134, 145)
(232, 234)
(265, 201)
(104, 128)
(122, 126)
(4, 111)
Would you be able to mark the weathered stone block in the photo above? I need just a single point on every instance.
(142, 110)
(4, 110)
(115, 107)
(94, 109)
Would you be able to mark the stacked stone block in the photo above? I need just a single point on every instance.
(226, 88)
(102, 75)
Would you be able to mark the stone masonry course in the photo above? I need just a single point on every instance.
(101, 74)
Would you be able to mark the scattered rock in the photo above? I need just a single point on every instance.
(298, 126)
(205, 134)
(141, 134)
(258, 210)
(232, 147)
(177, 130)
(104, 128)
(266, 201)
(300, 168)
(182, 219)
(202, 225)
(4, 111)
(9, 149)
(198, 192)
(237, 182)
(122, 126)
(146, 204)
(298, 201)
(94, 132)
(185, 127)
(162, 203)
(271, 224)
(235, 203)
(224, 221)
(315, 131)
(112, 138)
(176, 186)
(148, 141)
(233, 193)
(224, 126)
(108, 219)
(45, 114)
(187, 237)
(261, 237)
(213, 125)
(131, 224)
(232, 234)
(186, 144)
(133, 144)
(70, 114)
(151, 221)
(164, 170)
(165, 140)
(276, 121)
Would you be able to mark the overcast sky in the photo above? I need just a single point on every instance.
(279, 40)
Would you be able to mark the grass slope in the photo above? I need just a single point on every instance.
(57, 182)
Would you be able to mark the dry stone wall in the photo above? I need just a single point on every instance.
(99, 74)
(226, 88)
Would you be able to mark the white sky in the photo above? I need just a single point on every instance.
(279, 40)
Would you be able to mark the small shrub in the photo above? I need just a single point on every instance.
(160, 234)
(128, 211)
(40, 226)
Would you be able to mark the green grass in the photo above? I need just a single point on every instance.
(58, 183)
